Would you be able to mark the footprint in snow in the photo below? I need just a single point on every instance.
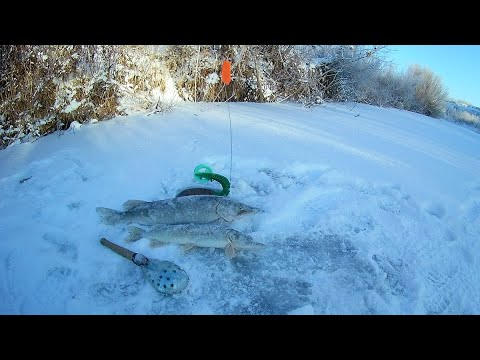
(62, 245)
(436, 209)
(52, 295)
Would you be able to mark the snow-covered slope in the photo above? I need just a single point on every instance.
(367, 211)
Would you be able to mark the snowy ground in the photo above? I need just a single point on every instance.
(367, 211)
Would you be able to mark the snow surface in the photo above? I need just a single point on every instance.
(366, 211)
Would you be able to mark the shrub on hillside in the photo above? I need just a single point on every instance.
(260, 73)
(463, 114)
(45, 88)
(430, 93)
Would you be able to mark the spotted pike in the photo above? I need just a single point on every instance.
(196, 209)
(201, 235)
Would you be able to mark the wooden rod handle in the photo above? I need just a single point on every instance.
(118, 249)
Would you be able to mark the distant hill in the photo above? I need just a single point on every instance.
(460, 112)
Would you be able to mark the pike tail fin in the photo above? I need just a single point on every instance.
(135, 233)
(109, 216)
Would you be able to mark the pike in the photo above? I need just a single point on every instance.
(195, 209)
(201, 235)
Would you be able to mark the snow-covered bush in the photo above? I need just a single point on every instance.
(362, 74)
(430, 93)
(260, 73)
(45, 88)
(463, 113)
(354, 71)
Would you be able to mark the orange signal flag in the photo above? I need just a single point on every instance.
(226, 77)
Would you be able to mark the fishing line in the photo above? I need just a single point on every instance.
(231, 141)
(237, 62)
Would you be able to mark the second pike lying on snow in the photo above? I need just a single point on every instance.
(197, 209)
(201, 235)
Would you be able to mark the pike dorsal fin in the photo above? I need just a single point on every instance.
(130, 204)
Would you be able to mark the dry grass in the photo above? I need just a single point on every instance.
(45, 88)
(39, 84)
(464, 117)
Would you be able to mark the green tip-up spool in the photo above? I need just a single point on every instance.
(202, 169)
(203, 173)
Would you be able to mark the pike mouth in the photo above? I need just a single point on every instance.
(251, 211)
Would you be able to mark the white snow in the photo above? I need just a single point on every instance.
(304, 310)
(366, 211)
(75, 125)
(212, 79)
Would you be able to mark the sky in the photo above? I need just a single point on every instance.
(366, 210)
(457, 65)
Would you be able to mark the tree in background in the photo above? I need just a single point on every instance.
(430, 93)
